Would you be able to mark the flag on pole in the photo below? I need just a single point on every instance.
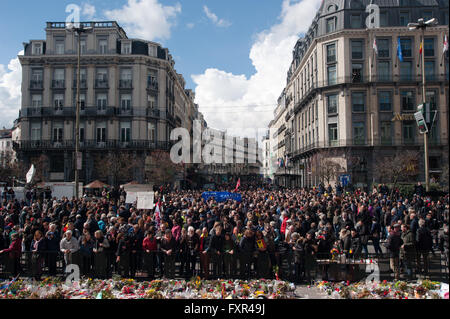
(399, 50)
(157, 214)
(237, 185)
(374, 46)
(30, 174)
(420, 48)
(445, 48)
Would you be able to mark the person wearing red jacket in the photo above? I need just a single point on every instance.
(14, 250)
(150, 247)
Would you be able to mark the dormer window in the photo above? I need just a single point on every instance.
(59, 46)
(152, 50)
(37, 48)
(126, 47)
(103, 46)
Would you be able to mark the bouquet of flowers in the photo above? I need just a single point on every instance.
(334, 254)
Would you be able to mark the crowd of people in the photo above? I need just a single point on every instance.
(270, 233)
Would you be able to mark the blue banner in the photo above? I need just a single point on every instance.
(399, 50)
(222, 196)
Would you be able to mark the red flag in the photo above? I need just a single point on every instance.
(237, 185)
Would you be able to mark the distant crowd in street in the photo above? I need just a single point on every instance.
(270, 233)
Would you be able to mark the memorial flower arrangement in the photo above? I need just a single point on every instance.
(118, 288)
(385, 290)
(334, 254)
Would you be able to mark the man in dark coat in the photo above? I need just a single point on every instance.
(215, 251)
(246, 248)
(408, 250)
(393, 244)
(52, 241)
(424, 246)
(418, 189)
(356, 244)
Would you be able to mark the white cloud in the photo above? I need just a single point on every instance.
(213, 17)
(88, 10)
(147, 19)
(235, 101)
(190, 25)
(10, 91)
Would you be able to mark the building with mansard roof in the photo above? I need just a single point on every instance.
(347, 103)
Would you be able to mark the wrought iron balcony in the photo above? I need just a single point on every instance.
(101, 84)
(83, 84)
(90, 144)
(152, 85)
(125, 84)
(58, 84)
(36, 85)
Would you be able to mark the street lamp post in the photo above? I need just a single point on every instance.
(78, 30)
(422, 25)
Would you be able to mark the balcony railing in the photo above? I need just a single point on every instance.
(58, 84)
(36, 85)
(48, 111)
(153, 112)
(83, 84)
(170, 117)
(94, 111)
(125, 84)
(93, 24)
(152, 85)
(90, 144)
(358, 143)
(101, 84)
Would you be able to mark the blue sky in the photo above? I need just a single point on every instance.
(232, 53)
(194, 49)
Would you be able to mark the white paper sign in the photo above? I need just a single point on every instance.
(131, 197)
(31, 173)
(145, 200)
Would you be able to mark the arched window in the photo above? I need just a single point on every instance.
(332, 8)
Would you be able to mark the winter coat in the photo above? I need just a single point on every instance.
(216, 244)
(424, 239)
(393, 244)
(15, 248)
(409, 243)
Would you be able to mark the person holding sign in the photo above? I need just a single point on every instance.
(263, 260)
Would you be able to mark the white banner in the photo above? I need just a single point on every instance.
(145, 200)
(131, 197)
(31, 173)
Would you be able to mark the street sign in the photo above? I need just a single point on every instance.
(344, 179)
(421, 123)
(79, 160)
